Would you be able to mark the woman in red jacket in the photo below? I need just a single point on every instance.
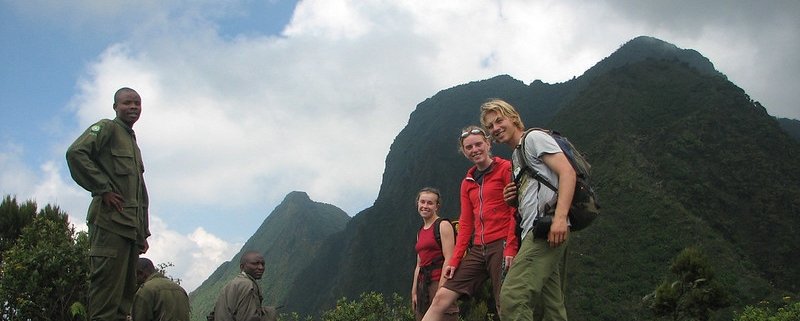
(435, 243)
(486, 226)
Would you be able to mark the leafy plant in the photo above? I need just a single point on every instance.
(13, 218)
(162, 268)
(693, 294)
(45, 272)
(294, 316)
(790, 311)
(371, 306)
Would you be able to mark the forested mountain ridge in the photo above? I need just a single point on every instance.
(791, 126)
(682, 157)
(288, 238)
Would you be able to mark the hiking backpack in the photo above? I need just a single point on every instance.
(437, 234)
(584, 208)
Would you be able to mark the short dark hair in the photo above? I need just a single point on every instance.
(243, 260)
(120, 91)
(146, 266)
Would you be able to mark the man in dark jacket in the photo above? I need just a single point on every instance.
(106, 161)
(158, 298)
(240, 299)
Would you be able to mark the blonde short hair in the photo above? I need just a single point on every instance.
(502, 108)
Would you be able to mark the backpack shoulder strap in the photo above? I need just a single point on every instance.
(437, 234)
(525, 168)
(521, 145)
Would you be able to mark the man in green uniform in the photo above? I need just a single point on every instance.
(106, 161)
(158, 298)
(240, 299)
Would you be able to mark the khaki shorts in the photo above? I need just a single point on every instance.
(480, 263)
(450, 314)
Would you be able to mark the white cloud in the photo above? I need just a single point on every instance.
(334, 19)
(15, 176)
(194, 256)
(44, 186)
(53, 190)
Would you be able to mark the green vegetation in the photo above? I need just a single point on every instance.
(44, 273)
(371, 307)
(13, 218)
(691, 292)
(791, 127)
(790, 311)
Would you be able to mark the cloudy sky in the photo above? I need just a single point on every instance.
(245, 101)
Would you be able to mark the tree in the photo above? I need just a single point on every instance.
(763, 312)
(44, 273)
(690, 293)
(162, 268)
(371, 307)
(13, 218)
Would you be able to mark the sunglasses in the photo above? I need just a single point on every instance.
(476, 131)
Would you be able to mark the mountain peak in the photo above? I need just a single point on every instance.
(296, 197)
(297, 206)
(646, 47)
(647, 41)
(288, 239)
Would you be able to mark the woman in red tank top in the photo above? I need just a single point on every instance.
(432, 254)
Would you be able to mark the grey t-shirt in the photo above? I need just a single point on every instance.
(531, 194)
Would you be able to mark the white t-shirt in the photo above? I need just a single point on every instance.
(531, 194)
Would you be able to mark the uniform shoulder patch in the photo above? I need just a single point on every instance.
(95, 129)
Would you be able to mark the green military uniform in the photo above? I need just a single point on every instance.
(103, 159)
(240, 300)
(160, 299)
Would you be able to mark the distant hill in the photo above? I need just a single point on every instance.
(791, 127)
(288, 238)
(682, 157)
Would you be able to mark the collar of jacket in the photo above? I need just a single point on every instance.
(474, 168)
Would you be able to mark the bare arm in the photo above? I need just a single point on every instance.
(560, 165)
(414, 287)
(448, 245)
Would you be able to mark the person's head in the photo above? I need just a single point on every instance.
(428, 202)
(475, 145)
(252, 264)
(502, 121)
(128, 105)
(144, 268)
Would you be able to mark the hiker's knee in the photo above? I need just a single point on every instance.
(443, 299)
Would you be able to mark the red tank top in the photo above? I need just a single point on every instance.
(428, 251)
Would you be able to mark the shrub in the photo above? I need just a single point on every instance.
(789, 312)
(370, 307)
